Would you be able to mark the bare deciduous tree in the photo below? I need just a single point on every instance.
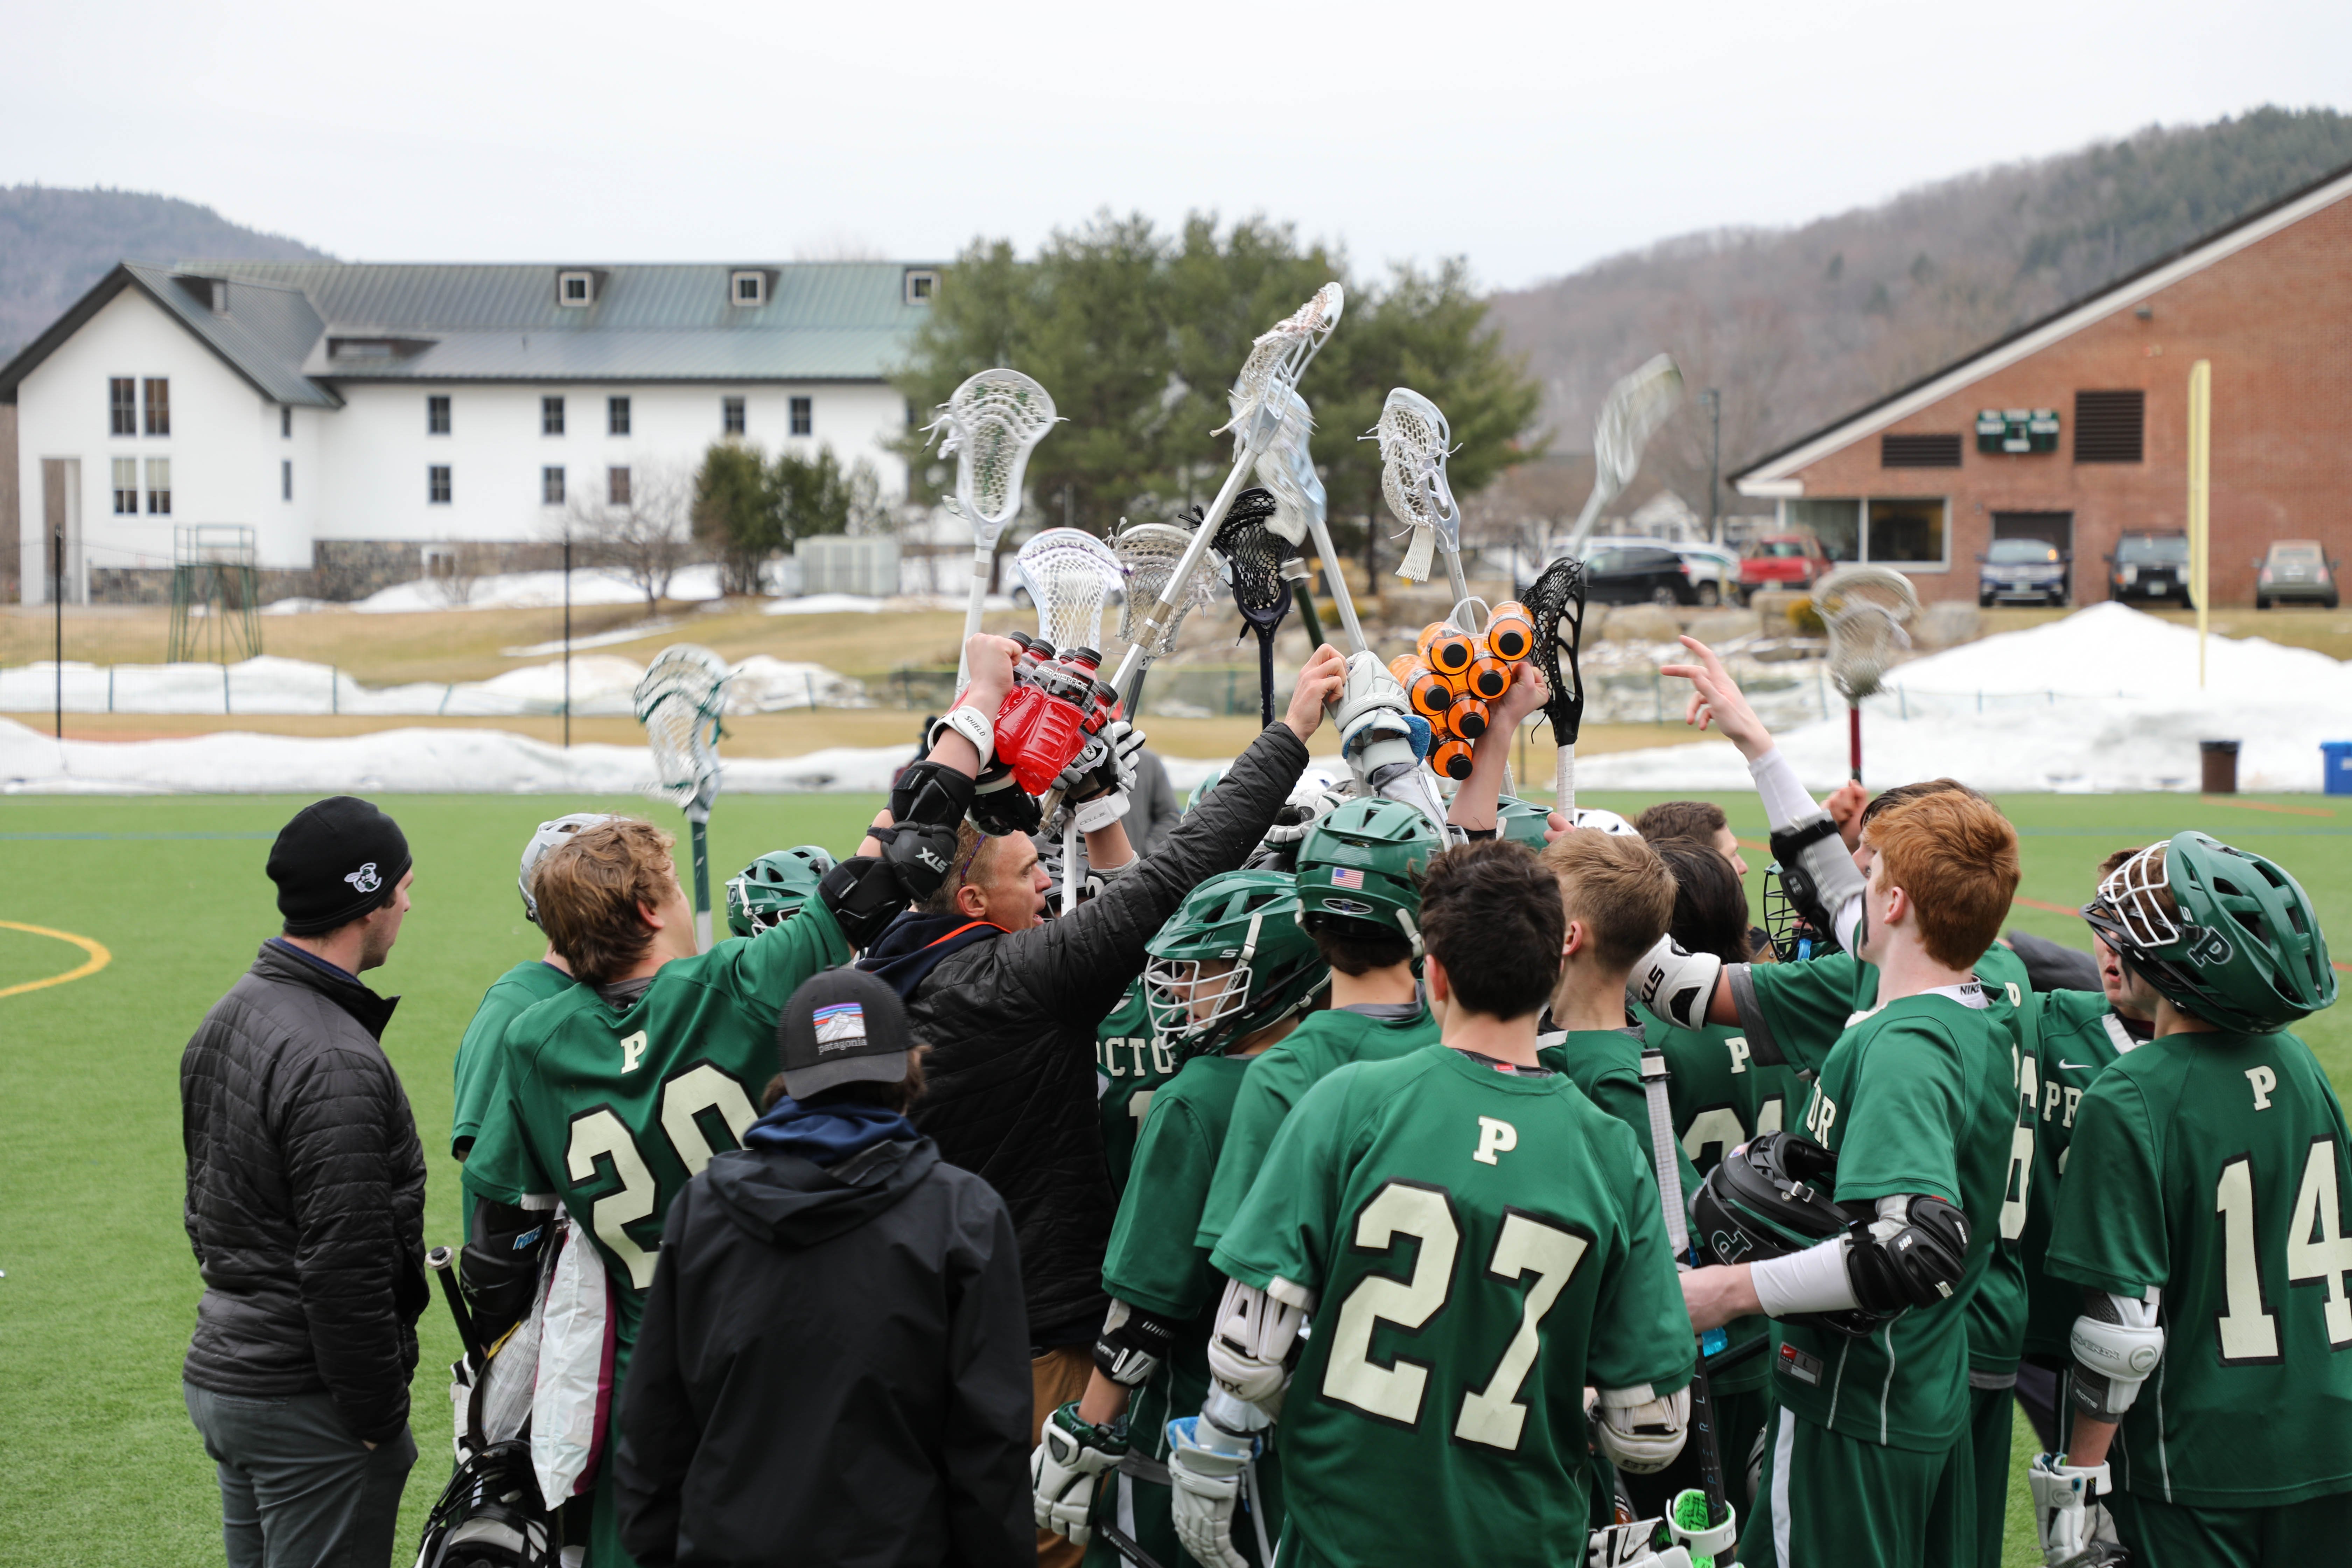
(640, 522)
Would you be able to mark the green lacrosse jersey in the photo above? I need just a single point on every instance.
(510, 996)
(2077, 1035)
(1481, 1245)
(1152, 1263)
(2212, 1167)
(1606, 1064)
(1130, 1066)
(1916, 1097)
(614, 1109)
(1721, 1099)
(1279, 1077)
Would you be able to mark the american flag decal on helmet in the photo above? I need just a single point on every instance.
(1347, 876)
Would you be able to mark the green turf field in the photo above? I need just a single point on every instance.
(100, 1466)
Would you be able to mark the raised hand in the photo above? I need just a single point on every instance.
(1716, 698)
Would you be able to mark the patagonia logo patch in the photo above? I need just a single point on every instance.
(1796, 1363)
(839, 1025)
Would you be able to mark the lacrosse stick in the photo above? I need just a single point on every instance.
(1294, 572)
(990, 426)
(1254, 554)
(1069, 575)
(1262, 408)
(680, 701)
(1415, 438)
(1149, 553)
(1555, 605)
(1866, 610)
(1288, 470)
(1636, 406)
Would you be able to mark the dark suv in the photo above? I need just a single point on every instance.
(2021, 572)
(2148, 567)
(1638, 574)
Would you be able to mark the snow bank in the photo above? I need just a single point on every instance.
(864, 605)
(395, 762)
(2103, 700)
(532, 591)
(601, 684)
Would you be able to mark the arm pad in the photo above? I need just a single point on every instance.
(927, 806)
(500, 1268)
(2117, 1344)
(1912, 1257)
(1640, 1432)
(1817, 872)
(1133, 1344)
(1249, 1351)
(1675, 984)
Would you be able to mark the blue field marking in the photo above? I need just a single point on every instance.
(52, 838)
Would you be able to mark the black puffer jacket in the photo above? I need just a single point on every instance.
(306, 1196)
(1011, 1026)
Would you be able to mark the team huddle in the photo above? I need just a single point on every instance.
(1334, 1184)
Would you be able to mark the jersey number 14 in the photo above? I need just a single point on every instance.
(2250, 1333)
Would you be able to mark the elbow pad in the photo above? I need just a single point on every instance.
(864, 894)
(1250, 1349)
(1638, 1431)
(1133, 1344)
(927, 806)
(1914, 1258)
(2117, 1344)
(500, 1268)
(1817, 870)
(1676, 985)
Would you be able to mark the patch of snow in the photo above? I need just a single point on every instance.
(637, 633)
(866, 605)
(534, 591)
(300, 606)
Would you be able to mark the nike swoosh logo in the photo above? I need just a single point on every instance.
(2076, 1066)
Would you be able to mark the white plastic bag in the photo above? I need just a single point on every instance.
(573, 1400)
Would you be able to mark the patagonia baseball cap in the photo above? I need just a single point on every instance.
(842, 1026)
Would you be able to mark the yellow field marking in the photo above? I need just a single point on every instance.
(98, 957)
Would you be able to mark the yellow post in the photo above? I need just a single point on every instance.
(2201, 475)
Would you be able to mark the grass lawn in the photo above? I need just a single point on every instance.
(100, 1291)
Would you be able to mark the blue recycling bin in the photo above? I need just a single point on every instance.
(2335, 763)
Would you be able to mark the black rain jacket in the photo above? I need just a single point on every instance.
(1011, 1021)
(833, 1367)
(306, 1196)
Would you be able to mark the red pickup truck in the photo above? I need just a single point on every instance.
(1781, 561)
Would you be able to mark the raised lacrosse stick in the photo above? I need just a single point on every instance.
(1254, 552)
(680, 701)
(1288, 470)
(1415, 441)
(1555, 605)
(1070, 574)
(1150, 552)
(1260, 401)
(1867, 611)
(1636, 406)
(991, 425)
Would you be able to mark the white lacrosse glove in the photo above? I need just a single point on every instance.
(1634, 1545)
(1379, 735)
(1311, 802)
(1205, 1462)
(1249, 1350)
(2070, 1513)
(1070, 1453)
(1639, 1432)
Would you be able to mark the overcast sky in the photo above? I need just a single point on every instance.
(1530, 137)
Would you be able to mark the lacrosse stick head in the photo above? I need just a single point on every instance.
(1070, 573)
(991, 425)
(1555, 605)
(1415, 441)
(1636, 406)
(1288, 469)
(1260, 399)
(1867, 611)
(679, 700)
(1253, 553)
(1150, 552)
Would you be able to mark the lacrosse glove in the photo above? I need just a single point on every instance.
(1379, 735)
(2070, 1513)
(1204, 1471)
(1070, 1453)
(1000, 807)
(1634, 1545)
(1100, 781)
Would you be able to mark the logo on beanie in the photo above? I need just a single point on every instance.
(364, 879)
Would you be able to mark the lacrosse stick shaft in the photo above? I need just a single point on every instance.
(1173, 592)
(698, 821)
(1460, 584)
(1337, 584)
(1664, 1151)
(439, 1260)
(1306, 603)
(1563, 780)
(1854, 738)
(1070, 864)
(984, 556)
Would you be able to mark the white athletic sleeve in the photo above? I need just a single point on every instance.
(1813, 1280)
(1785, 799)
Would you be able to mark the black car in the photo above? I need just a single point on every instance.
(1638, 574)
(2021, 572)
(2147, 567)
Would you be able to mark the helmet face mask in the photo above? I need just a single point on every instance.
(772, 889)
(1232, 960)
(1793, 939)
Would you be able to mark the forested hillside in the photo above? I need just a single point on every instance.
(54, 244)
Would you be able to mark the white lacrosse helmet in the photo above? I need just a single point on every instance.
(1608, 822)
(548, 837)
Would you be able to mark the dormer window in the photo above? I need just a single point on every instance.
(746, 287)
(576, 289)
(921, 284)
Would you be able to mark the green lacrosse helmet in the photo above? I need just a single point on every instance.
(1246, 922)
(1522, 821)
(1201, 791)
(2244, 950)
(770, 889)
(1362, 862)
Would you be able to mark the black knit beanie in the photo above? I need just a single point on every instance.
(337, 860)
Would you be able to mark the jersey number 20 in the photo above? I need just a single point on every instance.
(1493, 1414)
(694, 1094)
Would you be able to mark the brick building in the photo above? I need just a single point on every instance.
(2075, 428)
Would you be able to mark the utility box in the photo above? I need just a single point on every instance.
(840, 563)
(2336, 761)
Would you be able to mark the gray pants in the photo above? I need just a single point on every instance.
(297, 1490)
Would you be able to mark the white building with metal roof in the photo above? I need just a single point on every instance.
(356, 415)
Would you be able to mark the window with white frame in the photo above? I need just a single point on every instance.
(159, 406)
(922, 283)
(159, 487)
(617, 415)
(436, 416)
(731, 415)
(550, 417)
(1908, 532)
(550, 486)
(126, 486)
(286, 420)
(616, 487)
(804, 416)
(747, 288)
(436, 485)
(575, 290)
(122, 404)
(286, 479)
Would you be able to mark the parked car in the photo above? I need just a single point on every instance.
(2296, 570)
(2149, 566)
(2023, 572)
(1638, 574)
(1781, 561)
(1715, 572)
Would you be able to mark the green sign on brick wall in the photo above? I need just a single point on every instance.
(2017, 430)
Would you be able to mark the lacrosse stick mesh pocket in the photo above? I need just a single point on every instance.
(1150, 551)
(1415, 439)
(1555, 605)
(1072, 574)
(680, 701)
(1866, 611)
(990, 426)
